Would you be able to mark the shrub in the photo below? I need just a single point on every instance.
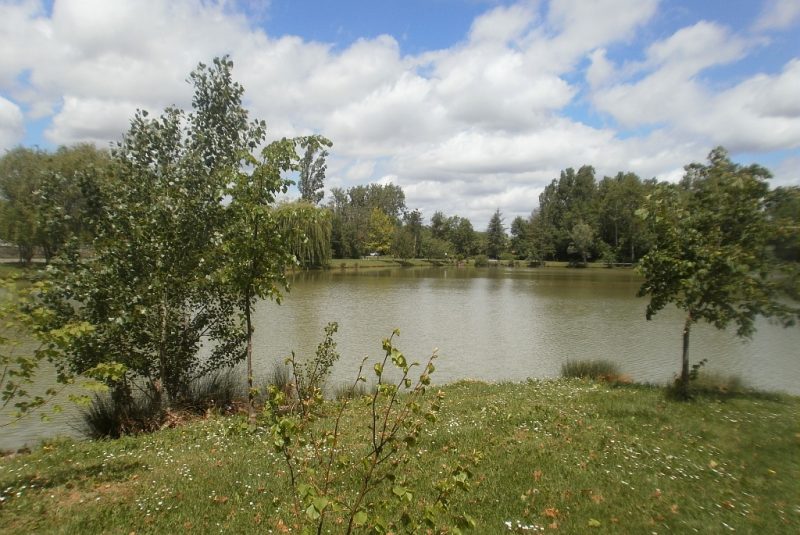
(110, 416)
(592, 369)
(481, 260)
(712, 384)
(310, 441)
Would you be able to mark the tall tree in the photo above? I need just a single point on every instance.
(313, 165)
(710, 253)
(783, 208)
(582, 240)
(440, 229)
(255, 240)
(413, 224)
(152, 290)
(495, 236)
(381, 231)
(462, 236)
(520, 237)
(70, 182)
(21, 174)
(307, 228)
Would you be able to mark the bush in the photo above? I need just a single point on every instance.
(123, 412)
(481, 260)
(712, 384)
(591, 369)
(112, 417)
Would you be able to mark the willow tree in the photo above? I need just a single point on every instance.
(711, 256)
(308, 231)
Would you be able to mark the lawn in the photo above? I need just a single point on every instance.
(562, 456)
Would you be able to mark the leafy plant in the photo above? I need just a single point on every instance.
(710, 257)
(310, 377)
(357, 487)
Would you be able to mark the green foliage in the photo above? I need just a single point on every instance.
(581, 240)
(308, 231)
(481, 260)
(358, 488)
(710, 253)
(380, 233)
(590, 369)
(155, 285)
(436, 249)
(495, 236)
(21, 174)
(312, 169)
(353, 211)
(783, 209)
(309, 378)
(403, 243)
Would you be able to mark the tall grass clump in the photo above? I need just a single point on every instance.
(344, 391)
(714, 385)
(219, 390)
(107, 416)
(590, 369)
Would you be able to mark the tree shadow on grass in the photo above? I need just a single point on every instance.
(70, 477)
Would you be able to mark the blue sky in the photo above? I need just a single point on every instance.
(469, 105)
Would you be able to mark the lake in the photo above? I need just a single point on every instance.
(495, 324)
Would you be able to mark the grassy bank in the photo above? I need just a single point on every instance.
(567, 456)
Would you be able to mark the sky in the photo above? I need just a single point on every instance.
(469, 105)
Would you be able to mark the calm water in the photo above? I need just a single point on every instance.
(495, 324)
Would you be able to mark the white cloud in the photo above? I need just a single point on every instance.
(12, 126)
(787, 172)
(778, 15)
(760, 113)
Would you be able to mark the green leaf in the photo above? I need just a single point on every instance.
(360, 518)
(320, 503)
(312, 512)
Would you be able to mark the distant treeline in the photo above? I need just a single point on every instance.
(48, 197)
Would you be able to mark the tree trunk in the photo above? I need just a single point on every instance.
(160, 388)
(684, 381)
(251, 412)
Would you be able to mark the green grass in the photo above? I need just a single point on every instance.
(378, 261)
(563, 456)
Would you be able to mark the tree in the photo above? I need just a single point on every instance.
(618, 199)
(710, 253)
(413, 223)
(381, 231)
(520, 237)
(440, 227)
(352, 211)
(783, 209)
(307, 228)
(71, 179)
(154, 290)
(495, 236)
(21, 172)
(582, 240)
(462, 236)
(403, 243)
(312, 170)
